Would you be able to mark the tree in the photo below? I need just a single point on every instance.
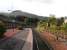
(60, 21)
(65, 27)
(20, 18)
(32, 21)
(51, 21)
(12, 17)
(2, 28)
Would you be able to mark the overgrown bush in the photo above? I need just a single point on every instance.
(42, 25)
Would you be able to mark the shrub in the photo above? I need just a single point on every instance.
(42, 25)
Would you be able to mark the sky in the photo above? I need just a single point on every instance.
(38, 7)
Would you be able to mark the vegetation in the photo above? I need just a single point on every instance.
(42, 25)
(2, 28)
(31, 21)
(54, 25)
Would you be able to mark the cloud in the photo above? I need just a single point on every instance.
(39, 7)
(44, 1)
(48, 1)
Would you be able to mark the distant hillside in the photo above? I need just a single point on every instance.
(21, 13)
(18, 12)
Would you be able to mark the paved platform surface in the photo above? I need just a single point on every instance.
(17, 40)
